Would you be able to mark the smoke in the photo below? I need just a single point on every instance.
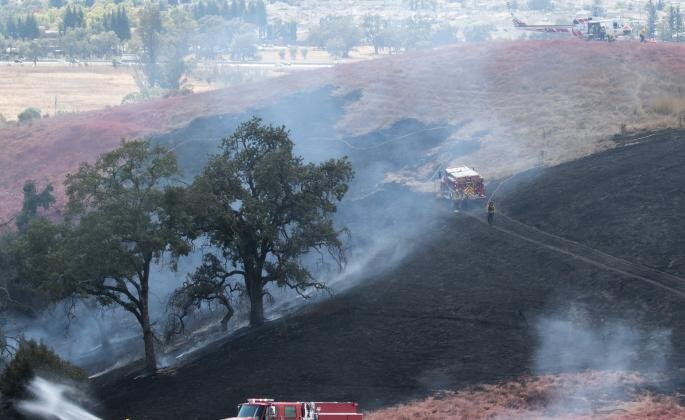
(97, 338)
(382, 218)
(576, 341)
(54, 401)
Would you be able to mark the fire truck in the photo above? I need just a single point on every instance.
(268, 409)
(461, 185)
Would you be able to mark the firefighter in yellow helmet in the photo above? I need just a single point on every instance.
(491, 212)
(643, 34)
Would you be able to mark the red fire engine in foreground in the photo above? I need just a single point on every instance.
(461, 184)
(267, 409)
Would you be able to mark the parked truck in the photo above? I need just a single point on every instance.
(461, 185)
(268, 409)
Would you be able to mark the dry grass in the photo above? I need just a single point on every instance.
(668, 105)
(566, 98)
(589, 395)
(77, 88)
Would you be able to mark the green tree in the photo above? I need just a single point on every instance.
(238, 9)
(122, 204)
(176, 64)
(33, 49)
(11, 28)
(28, 28)
(417, 32)
(672, 24)
(477, 33)
(118, 22)
(149, 31)
(214, 35)
(651, 19)
(29, 114)
(244, 46)
(264, 209)
(339, 33)
(33, 200)
(256, 14)
(75, 43)
(373, 30)
(15, 294)
(282, 32)
(73, 18)
(120, 219)
(104, 44)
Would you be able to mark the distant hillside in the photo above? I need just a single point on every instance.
(518, 102)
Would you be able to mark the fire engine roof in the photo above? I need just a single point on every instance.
(461, 171)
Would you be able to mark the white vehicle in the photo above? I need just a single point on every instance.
(589, 28)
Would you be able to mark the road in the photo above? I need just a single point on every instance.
(234, 64)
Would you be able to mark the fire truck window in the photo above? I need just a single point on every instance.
(290, 412)
(252, 411)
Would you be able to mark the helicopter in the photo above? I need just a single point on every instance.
(589, 28)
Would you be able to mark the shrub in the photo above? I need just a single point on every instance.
(33, 359)
(29, 114)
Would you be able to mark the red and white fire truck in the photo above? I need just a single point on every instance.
(268, 409)
(461, 184)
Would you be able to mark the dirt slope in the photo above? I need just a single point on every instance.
(515, 99)
(464, 307)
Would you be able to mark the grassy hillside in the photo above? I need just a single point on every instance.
(516, 99)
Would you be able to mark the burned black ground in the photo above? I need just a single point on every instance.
(459, 309)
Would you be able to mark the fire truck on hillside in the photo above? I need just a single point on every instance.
(461, 185)
(268, 409)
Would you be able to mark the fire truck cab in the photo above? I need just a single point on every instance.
(268, 409)
(461, 184)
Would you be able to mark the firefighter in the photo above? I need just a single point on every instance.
(491, 212)
(643, 33)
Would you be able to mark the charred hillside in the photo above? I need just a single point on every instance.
(468, 303)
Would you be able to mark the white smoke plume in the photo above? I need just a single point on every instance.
(53, 401)
(576, 341)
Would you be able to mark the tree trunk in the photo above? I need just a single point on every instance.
(256, 309)
(149, 339)
(148, 335)
(256, 302)
(228, 316)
